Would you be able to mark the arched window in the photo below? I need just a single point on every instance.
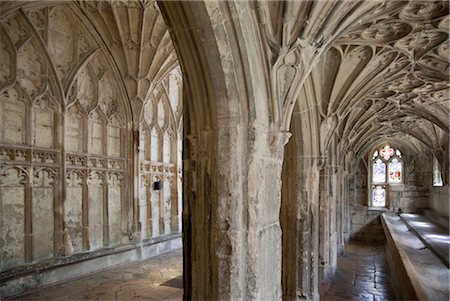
(437, 175)
(386, 168)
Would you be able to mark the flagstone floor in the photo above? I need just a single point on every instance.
(362, 274)
(158, 278)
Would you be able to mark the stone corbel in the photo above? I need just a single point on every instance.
(277, 140)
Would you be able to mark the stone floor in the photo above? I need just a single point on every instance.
(362, 274)
(159, 278)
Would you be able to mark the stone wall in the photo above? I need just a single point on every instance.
(410, 196)
(439, 200)
(72, 159)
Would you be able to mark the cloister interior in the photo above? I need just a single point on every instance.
(261, 138)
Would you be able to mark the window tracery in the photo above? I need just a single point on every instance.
(158, 144)
(386, 169)
(60, 105)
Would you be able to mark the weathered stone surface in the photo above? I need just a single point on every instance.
(278, 106)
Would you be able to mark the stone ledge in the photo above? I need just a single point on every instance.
(418, 273)
(432, 234)
(34, 276)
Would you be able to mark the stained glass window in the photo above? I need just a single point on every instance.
(379, 172)
(386, 152)
(395, 171)
(387, 169)
(379, 196)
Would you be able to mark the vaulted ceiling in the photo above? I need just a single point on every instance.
(386, 77)
(371, 70)
(381, 72)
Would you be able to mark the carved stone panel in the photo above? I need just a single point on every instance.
(8, 59)
(73, 130)
(114, 208)
(61, 41)
(12, 118)
(114, 138)
(95, 210)
(96, 133)
(167, 203)
(31, 70)
(74, 211)
(43, 214)
(12, 218)
(43, 124)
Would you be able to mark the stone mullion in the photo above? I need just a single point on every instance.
(127, 181)
(143, 217)
(85, 212)
(28, 208)
(105, 211)
(134, 185)
(29, 216)
(123, 195)
(161, 205)
(61, 236)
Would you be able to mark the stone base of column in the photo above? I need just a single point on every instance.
(326, 273)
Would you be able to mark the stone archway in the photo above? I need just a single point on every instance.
(232, 159)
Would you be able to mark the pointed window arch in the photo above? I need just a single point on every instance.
(386, 168)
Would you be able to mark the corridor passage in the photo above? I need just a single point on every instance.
(158, 278)
(362, 274)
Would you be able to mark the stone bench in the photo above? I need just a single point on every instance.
(434, 235)
(418, 274)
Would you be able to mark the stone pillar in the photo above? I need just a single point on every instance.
(325, 204)
(300, 221)
(333, 199)
(309, 230)
(231, 230)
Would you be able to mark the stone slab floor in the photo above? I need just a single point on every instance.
(362, 274)
(159, 278)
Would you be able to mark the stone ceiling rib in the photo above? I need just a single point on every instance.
(139, 41)
(387, 74)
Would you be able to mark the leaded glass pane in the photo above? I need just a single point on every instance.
(379, 172)
(386, 152)
(379, 196)
(395, 171)
(399, 154)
